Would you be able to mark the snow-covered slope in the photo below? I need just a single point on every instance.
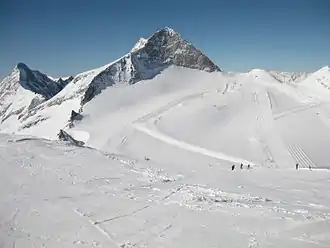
(318, 84)
(56, 195)
(233, 118)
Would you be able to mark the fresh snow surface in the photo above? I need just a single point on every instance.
(56, 195)
(156, 169)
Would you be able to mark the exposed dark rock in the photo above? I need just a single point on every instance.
(75, 116)
(63, 82)
(38, 82)
(64, 136)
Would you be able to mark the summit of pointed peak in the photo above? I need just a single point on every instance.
(166, 30)
(170, 30)
(21, 65)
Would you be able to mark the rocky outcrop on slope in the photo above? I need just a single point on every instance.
(74, 118)
(64, 136)
(63, 82)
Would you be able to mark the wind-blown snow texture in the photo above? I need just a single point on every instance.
(148, 164)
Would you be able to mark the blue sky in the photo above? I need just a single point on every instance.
(65, 37)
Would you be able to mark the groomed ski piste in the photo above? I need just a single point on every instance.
(155, 170)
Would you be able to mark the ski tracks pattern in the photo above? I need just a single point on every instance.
(300, 156)
(269, 160)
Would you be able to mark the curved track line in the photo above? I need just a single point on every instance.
(137, 124)
(188, 147)
(176, 102)
(295, 110)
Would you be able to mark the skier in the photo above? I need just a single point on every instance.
(297, 165)
(233, 167)
(241, 166)
(248, 166)
(310, 167)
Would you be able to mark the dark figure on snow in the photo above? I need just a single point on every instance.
(310, 167)
(297, 165)
(241, 166)
(248, 166)
(233, 167)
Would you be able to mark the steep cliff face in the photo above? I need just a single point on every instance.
(148, 58)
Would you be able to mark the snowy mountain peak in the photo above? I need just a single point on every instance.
(21, 66)
(35, 81)
(141, 42)
(24, 89)
(168, 30)
(147, 59)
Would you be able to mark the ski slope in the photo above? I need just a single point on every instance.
(156, 168)
(240, 118)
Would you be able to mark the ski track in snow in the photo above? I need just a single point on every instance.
(99, 229)
(138, 124)
(295, 110)
(189, 147)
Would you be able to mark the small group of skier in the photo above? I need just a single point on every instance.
(248, 166)
(309, 166)
(233, 166)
